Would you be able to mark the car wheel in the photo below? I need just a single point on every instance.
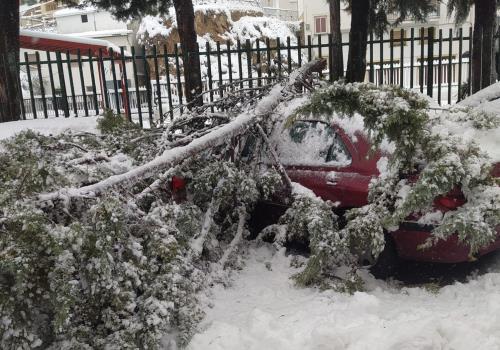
(386, 265)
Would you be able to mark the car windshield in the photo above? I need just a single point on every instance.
(310, 143)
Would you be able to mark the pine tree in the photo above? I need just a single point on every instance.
(9, 61)
(337, 52)
(483, 37)
(372, 16)
(184, 11)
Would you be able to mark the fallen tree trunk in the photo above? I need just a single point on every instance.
(172, 157)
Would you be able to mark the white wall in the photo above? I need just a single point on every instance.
(97, 21)
(283, 9)
(309, 9)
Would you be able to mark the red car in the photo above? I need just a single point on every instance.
(337, 167)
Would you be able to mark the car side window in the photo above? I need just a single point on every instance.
(310, 143)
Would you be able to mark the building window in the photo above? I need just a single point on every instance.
(436, 4)
(85, 18)
(320, 24)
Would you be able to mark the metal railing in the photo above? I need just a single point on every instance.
(150, 86)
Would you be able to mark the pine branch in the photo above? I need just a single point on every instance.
(172, 157)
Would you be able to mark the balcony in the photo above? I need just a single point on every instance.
(283, 14)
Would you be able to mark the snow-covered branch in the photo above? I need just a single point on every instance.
(172, 157)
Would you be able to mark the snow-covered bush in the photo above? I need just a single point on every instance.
(121, 271)
(114, 279)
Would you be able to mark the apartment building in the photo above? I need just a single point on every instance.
(286, 10)
(316, 18)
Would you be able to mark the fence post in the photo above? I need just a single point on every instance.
(249, 63)
(82, 83)
(430, 61)
(178, 76)
(209, 76)
(278, 56)
(229, 62)
(167, 73)
(460, 39)
(299, 50)
(422, 55)
(136, 83)
(450, 52)
(330, 56)
(470, 61)
(102, 79)
(372, 67)
(381, 59)
(391, 55)
(30, 85)
(412, 55)
(259, 63)
(289, 55)
(402, 39)
(115, 81)
(157, 80)
(219, 69)
(440, 65)
(309, 48)
(52, 85)
(71, 83)
(240, 64)
(62, 84)
(124, 79)
(42, 87)
(147, 78)
(268, 57)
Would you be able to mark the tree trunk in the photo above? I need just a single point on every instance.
(10, 98)
(192, 75)
(358, 37)
(336, 54)
(483, 44)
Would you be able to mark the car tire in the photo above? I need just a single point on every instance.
(387, 262)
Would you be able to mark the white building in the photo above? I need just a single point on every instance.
(92, 23)
(283, 9)
(316, 19)
(82, 24)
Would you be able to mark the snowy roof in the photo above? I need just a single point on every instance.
(102, 33)
(60, 42)
(71, 11)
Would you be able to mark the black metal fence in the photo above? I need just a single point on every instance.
(148, 86)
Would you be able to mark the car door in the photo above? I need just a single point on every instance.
(314, 155)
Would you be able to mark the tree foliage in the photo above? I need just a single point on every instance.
(116, 272)
(122, 270)
(445, 162)
(373, 16)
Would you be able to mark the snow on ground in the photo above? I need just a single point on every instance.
(51, 126)
(264, 310)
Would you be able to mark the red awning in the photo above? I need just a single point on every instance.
(43, 41)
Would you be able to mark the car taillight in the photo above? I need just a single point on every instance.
(452, 200)
(177, 184)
